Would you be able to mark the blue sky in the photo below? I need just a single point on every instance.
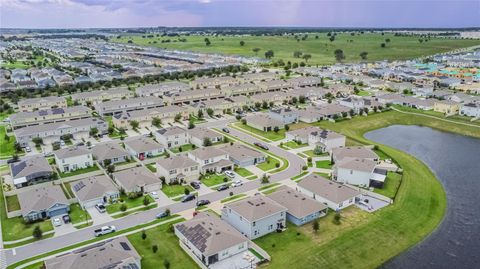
(316, 13)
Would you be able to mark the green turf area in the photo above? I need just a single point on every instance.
(131, 203)
(390, 187)
(364, 93)
(77, 214)
(68, 188)
(458, 118)
(115, 133)
(168, 249)
(175, 189)
(148, 207)
(234, 197)
(184, 148)
(269, 164)
(243, 172)
(12, 203)
(381, 154)
(321, 49)
(152, 167)
(323, 164)
(294, 145)
(268, 186)
(272, 190)
(268, 136)
(7, 146)
(299, 175)
(325, 175)
(310, 153)
(214, 179)
(37, 265)
(80, 171)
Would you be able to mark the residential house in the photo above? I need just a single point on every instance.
(110, 152)
(264, 122)
(48, 102)
(73, 158)
(31, 170)
(219, 106)
(172, 136)
(255, 216)
(213, 82)
(355, 103)
(142, 147)
(242, 89)
(284, 115)
(471, 110)
(243, 156)
(193, 96)
(199, 135)
(43, 202)
(239, 102)
(23, 119)
(360, 172)
(137, 179)
(326, 139)
(95, 190)
(326, 111)
(210, 239)
(301, 135)
(99, 96)
(126, 105)
(161, 89)
(446, 107)
(301, 209)
(211, 159)
(113, 253)
(336, 196)
(144, 117)
(358, 152)
(178, 169)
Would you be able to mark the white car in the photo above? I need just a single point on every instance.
(230, 174)
(154, 194)
(62, 143)
(56, 222)
(237, 183)
(28, 149)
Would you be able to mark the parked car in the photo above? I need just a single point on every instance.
(226, 130)
(62, 143)
(56, 222)
(154, 195)
(48, 154)
(230, 174)
(101, 208)
(188, 198)
(261, 145)
(163, 214)
(195, 185)
(104, 230)
(203, 202)
(79, 144)
(223, 187)
(237, 183)
(13, 160)
(28, 149)
(66, 219)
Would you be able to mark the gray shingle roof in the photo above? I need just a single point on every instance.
(327, 189)
(93, 187)
(298, 204)
(41, 198)
(176, 162)
(71, 152)
(142, 144)
(108, 151)
(30, 165)
(136, 176)
(256, 207)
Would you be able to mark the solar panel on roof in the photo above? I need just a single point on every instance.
(58, 110)
(42, 112)
(125, 246)
(18, 168)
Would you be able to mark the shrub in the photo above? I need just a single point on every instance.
(154, 248)
(304, 168)
(123, 207)
(37, 232)
(337, 218)
(144, 235)
(309, 159)
(277, 165)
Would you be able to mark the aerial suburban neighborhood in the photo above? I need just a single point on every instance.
(236, 147)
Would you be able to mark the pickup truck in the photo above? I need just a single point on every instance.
(104, 230)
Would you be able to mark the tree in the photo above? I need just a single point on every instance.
(123, 207)
(287, 127)
(156, 121)
(191, 125)
(387, 40)
(276, 129)
(93, 131)
(207, 41)
(154, 248)
(364, 55)
(200, 114)
(301, 99)
(256, 50)
(337, 218)
(166, 264)
(146, 201)
(307, 57)
(111, 168)
(382, 45)
(207, 142)
(242, 43)
(269, 54)
(134, 124)
(316, 225)
(186, 191)
(37, 232)
(144, 235)
(37, 140)
(210, 112)
(297, 54)
(265, 179)
(339, 56)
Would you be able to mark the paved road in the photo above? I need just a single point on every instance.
(51, 244)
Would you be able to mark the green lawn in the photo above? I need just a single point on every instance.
(184, 148)
(381, 154)
(12, 203)
(458, 118)
(310, 153)
(7, 147)
(268, 186)
(271, 135)
(214, 179)
(77, 214)
(325, 175)
(269, 164)
(294, 145)
(168, 249)
(131, 203)
(234, 197)
(299, 175)
(175, 189)
(79, 171)
(364, 93)
(321, 49)
(68, 188)
(243, 172)
(323, 164)
(390, 187)
(152, 167)
(272, 190)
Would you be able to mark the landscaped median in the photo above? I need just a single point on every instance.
(128, 203)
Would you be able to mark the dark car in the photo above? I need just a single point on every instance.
(162, 215)
(226, 130)
(223, 187)
(261, 145)
(66, 219)
(188, 198)
(13, 160)
(80, 144)
(195, 185)
(203, 202)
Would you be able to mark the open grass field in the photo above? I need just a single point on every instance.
(321, 49)
(7, 146)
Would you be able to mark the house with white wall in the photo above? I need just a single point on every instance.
(172, 137)
(73, 158)
(211, 159)
(177, 169)
(199, 134)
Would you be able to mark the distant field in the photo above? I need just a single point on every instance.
(321, 49)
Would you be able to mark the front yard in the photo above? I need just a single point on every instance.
(130, 203)
(269, 164)
(175, 189)
(79, 171)
(183, 148)
(214, 179)
(310, 153)
(243, 172)
(327, 164)
(77, 214)
(271, 135)
(294, 145)
(152, 167)
(7, 145)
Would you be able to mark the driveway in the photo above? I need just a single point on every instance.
(97, 217)
(64, 228)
